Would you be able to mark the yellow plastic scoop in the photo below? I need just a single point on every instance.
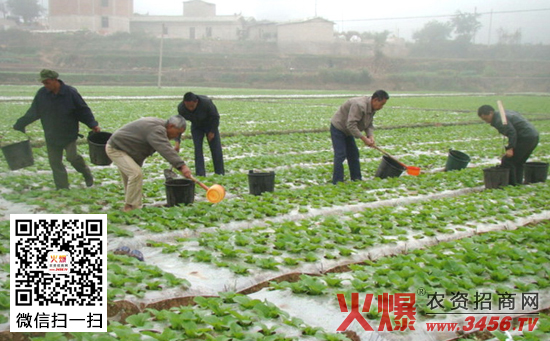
(214, 194)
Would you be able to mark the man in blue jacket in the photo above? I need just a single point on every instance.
(205, 120)
(60, 108)
(523, 138)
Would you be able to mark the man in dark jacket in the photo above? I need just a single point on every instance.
(523, 138)
(205, 120)
(60, 108)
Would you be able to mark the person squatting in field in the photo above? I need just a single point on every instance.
(353, 117)
(129, 146)
(523, 138)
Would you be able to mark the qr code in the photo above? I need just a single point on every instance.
(58, 268)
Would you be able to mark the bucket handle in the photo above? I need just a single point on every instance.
(26, 135)
(253, 171)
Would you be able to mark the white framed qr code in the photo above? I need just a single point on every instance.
(58, 273)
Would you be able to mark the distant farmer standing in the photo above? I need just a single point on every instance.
(129, 146)
(523, 138)
(353, 117)
(205, 120)
(60, 108)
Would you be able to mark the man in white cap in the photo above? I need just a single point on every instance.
(129, 146)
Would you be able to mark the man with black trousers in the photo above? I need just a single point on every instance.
(205, 120)
(353, 117)
(523, 138)
(60, 108)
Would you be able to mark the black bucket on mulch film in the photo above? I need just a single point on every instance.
(96, 144)
(495, 177)
(389, 168)
(456, 160)
(261, 182)
(18, 155)
(535, 172)
(179, 191)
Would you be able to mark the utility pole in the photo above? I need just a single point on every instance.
(475, 16)
(490, 24)
(160, 57)
(315, 8)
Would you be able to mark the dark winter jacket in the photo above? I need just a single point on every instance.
(205, 116)
(517, 129)
(59, 114)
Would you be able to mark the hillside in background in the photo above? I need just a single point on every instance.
(130, 59)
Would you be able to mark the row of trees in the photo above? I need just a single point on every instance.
(460, 29)
(27, 10)
(464, 26)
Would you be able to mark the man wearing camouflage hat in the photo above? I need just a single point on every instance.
(60, 108)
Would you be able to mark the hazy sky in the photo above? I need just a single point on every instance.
(362, 15)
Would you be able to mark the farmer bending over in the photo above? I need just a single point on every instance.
(523, 138)
(129, 146)
(205, 121)
(353, 117)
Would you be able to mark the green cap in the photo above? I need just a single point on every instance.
(47, 74)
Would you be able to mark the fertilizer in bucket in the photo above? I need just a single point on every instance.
(179, 191)
(96, 144)
(18, 155)
(389, 168)
(535, 172)
(496, 177)
(261, 182)
(456, 160)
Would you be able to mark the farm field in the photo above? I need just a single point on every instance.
(272, 267)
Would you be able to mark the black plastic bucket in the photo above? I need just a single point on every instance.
(179, 191)
(96, 144)
(18, 155)
(456, 160)
(261, 182)
(535, 172)
(495, 177)
(389, 168)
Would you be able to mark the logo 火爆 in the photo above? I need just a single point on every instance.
(59, 262)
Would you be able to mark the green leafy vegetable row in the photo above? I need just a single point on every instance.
(338, 236)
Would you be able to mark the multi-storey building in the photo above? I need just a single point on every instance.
(101, 16)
